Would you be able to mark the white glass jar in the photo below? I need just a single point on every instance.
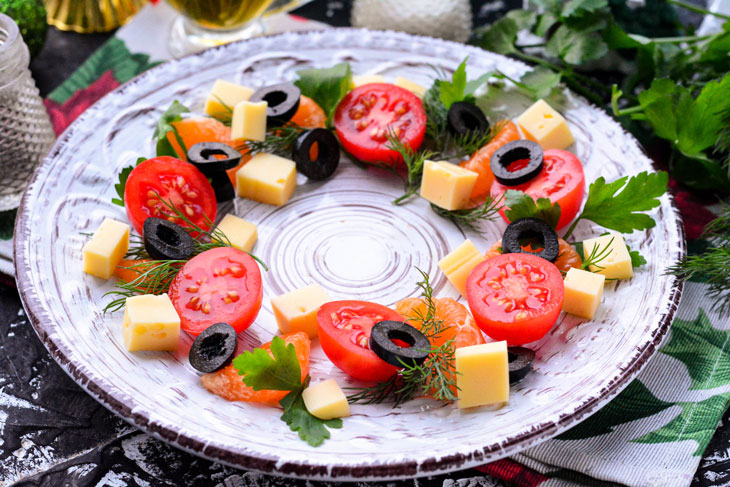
(26, 134)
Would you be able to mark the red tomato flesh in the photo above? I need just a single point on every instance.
(368, 113)
(515, 297)
(174, 181)
(561, 180)
(220, 285)
(344, 331)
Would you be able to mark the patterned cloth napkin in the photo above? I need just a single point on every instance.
(652, 434)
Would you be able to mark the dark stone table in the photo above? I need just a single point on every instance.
(53, 434)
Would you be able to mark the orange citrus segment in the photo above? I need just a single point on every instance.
(229, 385)
(479, 161)
(567, 255)
(309, 114)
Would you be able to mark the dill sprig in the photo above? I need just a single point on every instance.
(436, 376)
(224, 117)
(471, 217)
(460, 146)
(414, 161)
(598, 254)
(279, 141)
(155, 277)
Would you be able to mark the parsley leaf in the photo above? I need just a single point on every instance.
(522, 205)
(617, 205)
(637, 260)
(280, 371)
(310, 428)
(164, 125)
(540, 82)
(123, 176)
(500, 36)
(452, 91)
(326, 86)
(262, 371)
(576, 46)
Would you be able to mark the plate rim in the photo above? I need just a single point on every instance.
(301, 469)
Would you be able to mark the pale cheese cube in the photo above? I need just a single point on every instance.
(151, 323)
(447, 185)
(106, 248)
(482, 374)
(616, 263)
(543, 124)
(240, 233)
(458, 263)
(224, 96)
(583, 291)
(365, 79)
(297, 310)
(267, 178)
(249, 121)
(411, 86)
(326, 400)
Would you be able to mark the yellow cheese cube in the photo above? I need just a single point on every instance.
(482, 374)
(249, 121)
(297, 310)
(240, 233)
(458, 263)
(326, 400)
(106, 248)
(616, 263)
(267, 178)
(545, 126)
(583, 292)
(225, 92)
(151, 323)
(447, 185)
(411, 86)
(365, 79)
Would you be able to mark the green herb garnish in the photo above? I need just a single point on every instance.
(522, 205)
(470, 218)
(326, 86)
(164, 125)
(123, 176)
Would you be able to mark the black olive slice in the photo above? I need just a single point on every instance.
(528, 156)
(283, 101)
(466, 119)
(381, 342)
(328, 154)
(165, 240)
(528, 228)
(203, 156)
(520, 363)
(214, 348)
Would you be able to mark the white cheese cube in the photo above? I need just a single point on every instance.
(365, 79)
(447, 185)
(151, 323)
(326, 400)
(411, 86)
(583, 291)
(297, 310)
(267, 178)
(543, 124)
(482, 374)
(240, 233)
(224, 96)
(616, 263)
(106, 248)
(249, 121)
(458, 263)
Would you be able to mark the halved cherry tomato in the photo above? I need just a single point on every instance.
(229, 385)
(368, 113)
(567, 255)
(344, 331)
(174, 181)
(561, 180)
(480, 160)
(220, 285)
(515, 297)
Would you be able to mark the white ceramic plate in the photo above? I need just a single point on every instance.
(345, 235)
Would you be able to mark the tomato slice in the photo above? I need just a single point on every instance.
(220, 285)
(174, 181)
(368, 113)
(515, 297)
(344, 331)
(567, 255)
(561, 180)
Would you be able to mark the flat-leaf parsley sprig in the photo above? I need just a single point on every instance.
(280, 371)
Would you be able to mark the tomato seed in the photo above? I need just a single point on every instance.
(206, 308)
(189, 211)
(192, 289)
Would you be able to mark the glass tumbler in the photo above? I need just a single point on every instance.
(26, 134)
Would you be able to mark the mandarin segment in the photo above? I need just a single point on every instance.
(479, 162)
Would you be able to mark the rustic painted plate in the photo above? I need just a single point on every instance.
(345, 235)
